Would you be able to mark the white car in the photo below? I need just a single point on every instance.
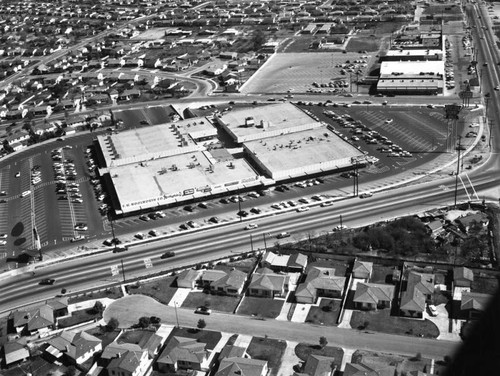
(389, 121)
(3, 242)
(251, 226)
(77, 200)
(303, 209)
(81, 227)
(3, 236)
(18, 174)
(432, 310)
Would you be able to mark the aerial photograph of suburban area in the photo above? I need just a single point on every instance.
(249, 187)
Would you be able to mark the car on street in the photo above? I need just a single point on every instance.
(256, 210)
(47, 281)
(167, 254)
(251, 226)
(139, 236)
(497, 88)
(214, 220)
(81, 227)
(78, 238)
(18, 174)
(365, 195)
(283, 235)
(3, 242)
(202, 310)
(302, 209)
(3, 236)
(77, 201)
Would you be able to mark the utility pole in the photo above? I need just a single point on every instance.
(458, 169)
(176, 316)
(123, 271)
(265, 245)
(251, 243)
(341, 229)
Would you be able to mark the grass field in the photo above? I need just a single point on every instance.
(159, 289)
(215, 302)
(267, 349)
(262, 307)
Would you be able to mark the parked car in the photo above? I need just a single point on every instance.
(203, 310)
(139, 236)
(366, 195)
(432, 310)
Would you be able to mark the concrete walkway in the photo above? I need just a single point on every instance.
(301, 312)
(179, 297)
(283, 316)
(243, 340)
(347, 357)
(289, 359)
(346, 320)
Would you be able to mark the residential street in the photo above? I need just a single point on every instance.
(129, 309)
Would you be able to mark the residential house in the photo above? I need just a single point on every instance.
(373, 296)
(375, 369)
(242, 367)
(59, 306)
(267, 284)
(188, 278)
(37, 320)
(151, 342)
(215, 70)
(294, 263)
(15, 352)
(43, 128)
(115, 349)
(18, 137)
(209, 276)
(474, 303)
(320, 282)
(318, 365)
(466, 222)
(129, 94)
(362, 269)
(228, 55)
(74, 347)
(435, 227)
(76, 121)
(419, 288)
(231, 283)
(463, 277)
(129, 363)
(183, 353)
(231, 351)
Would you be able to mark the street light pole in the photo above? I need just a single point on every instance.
(458, 170)
(176, 316)
(123, 271)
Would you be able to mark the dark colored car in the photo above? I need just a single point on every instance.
(47, 281)
(167, 255)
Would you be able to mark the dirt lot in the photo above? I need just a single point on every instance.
(298, 71)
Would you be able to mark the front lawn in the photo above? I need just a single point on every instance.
(267, 349)
(382, 321)
(326, 314)
(209, 337)
(160, 289)
(303, 350)
(219, 303)
(262, 307)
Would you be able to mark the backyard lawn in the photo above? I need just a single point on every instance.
(381, 321)
(78, 317)
(326, 314)
(262, 307)
(111, 293)
(103, 335)
(267, 349)
(159, 289)
(381, 274)
(219, 303)
(303, 350)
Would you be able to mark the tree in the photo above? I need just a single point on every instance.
(112, 324)
(70, 371)
(201, 324)
(98, 307)
(323, 341)
(144, 322)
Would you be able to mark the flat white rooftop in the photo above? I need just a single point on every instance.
(412, 67)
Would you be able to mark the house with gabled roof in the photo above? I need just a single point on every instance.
(362, 269)
(419, 288)
(188, 278)
(209, 276)
(151, 342)
(373, 296)
(242, 367)
(36, 320)
(183, 353)
(294, 263)
(467, 221)
(462, 277)
(320, 282)
(267, 284)
(474, 303)
(74, 347)
(318, 365)
(362, 369)
(231, 283)
(129, 363)
(15, 352)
